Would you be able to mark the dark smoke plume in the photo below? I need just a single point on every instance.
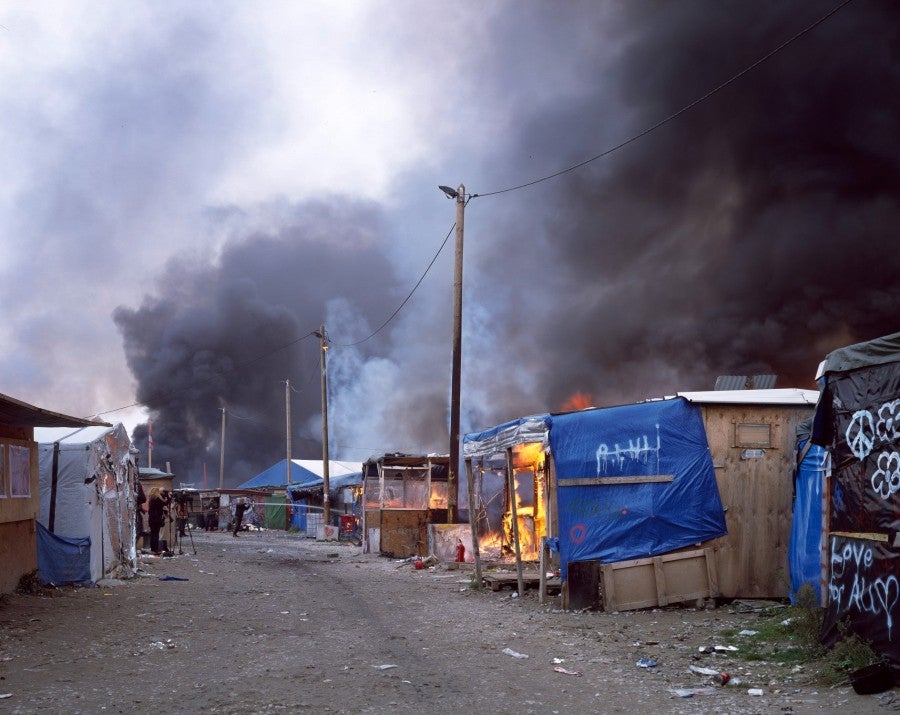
(227, 333)
(752, 234)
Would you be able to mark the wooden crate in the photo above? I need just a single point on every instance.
(659, 581)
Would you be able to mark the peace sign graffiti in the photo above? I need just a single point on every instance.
(860, 434)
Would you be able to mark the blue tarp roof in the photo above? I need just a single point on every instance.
(301, 477)
(496, 439)
(609, 507)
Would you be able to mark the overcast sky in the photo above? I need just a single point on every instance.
(191, 188)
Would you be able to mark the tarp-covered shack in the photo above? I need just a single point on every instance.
(87, 512)
(858, 421)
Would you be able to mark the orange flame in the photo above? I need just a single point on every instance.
(578, 401)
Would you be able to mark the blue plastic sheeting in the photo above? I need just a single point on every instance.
(497, 439)
(618, 521)
(805, 549)
(63, 560)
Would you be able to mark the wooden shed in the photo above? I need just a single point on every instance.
(19, 491)
(752, 437)
(403, 494)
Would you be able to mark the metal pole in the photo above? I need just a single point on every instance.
(287, 418)
(452, 472)
(222, 455)
(326, 498)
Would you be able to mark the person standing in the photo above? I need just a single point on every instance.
(181, 515)
(239, 515)
(156, 512)
(139, 500)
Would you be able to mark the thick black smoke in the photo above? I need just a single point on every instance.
(752, 234)
(227, 333)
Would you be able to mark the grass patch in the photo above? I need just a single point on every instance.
(791, 636)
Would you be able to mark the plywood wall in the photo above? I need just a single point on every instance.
(753, 452)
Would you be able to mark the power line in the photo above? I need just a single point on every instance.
(406, 299)
(677, 114)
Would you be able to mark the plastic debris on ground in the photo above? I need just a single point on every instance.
(511, 652)
(562, 670)
(646, 663)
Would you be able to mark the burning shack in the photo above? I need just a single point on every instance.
(403, 494)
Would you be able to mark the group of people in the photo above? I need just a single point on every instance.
(158, 511)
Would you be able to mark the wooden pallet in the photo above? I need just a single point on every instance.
(498, 581)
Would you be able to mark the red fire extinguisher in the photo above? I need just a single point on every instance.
(460, 551)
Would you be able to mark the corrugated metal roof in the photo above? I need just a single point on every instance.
(776, 396)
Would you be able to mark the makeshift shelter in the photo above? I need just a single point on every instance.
(858, 421)
(300, 490)
(87, 510)
(403, 493)
(635, 496)
(19, 486)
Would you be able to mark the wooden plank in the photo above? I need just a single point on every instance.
(660, 577)
(610, 481)
(711, 573)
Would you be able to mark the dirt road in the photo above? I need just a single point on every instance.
(277, 623)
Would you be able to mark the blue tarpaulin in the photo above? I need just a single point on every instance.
(633, 481)
(63, 560)
(805, 550)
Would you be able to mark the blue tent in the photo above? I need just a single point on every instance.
(633, 481)
(276, 476)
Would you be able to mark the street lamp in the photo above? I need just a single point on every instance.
(452, 477)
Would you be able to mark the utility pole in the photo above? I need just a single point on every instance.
(287, 418)
(222, 454)
(452, 473)
(326, 497)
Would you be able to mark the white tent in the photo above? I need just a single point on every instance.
(87, 482)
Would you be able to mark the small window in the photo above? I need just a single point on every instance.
(19, 471)
(752, 435)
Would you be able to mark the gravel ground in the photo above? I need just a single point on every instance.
(271, 622)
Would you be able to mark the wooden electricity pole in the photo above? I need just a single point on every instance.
(287, 419)
(222, 455)
(453, 470)
(326, 497)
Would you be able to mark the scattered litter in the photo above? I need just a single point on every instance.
(691, 692)
(559, 669)
(172, 578)
(386, 666)
(703, 671)
(284, 613)
(510, 651)
(727, 648)
(755, 691)
(747, 632)
(646, 663)
(720, 679)
(3, 696)
(557, 661)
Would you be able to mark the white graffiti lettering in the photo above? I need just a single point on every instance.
(886, 479)
(875, 596)
(636, 450)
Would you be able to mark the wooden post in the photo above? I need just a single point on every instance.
(473, 523)
(510, 478)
